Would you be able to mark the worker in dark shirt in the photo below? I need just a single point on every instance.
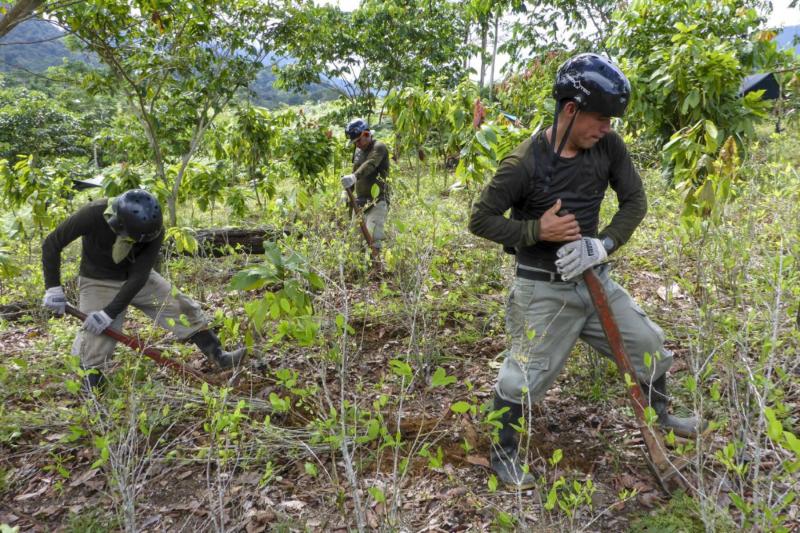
(554, 183)
(121, 238)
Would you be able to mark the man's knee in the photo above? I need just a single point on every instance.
(95, 351)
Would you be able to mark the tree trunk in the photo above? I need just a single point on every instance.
(494, 57)
(219, 242)
(467, 28)
(484, 38)
(17, 13)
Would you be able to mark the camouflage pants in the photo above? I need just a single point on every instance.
(157, 299)
(545, 319)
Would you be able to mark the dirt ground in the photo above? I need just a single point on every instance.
(597, 436)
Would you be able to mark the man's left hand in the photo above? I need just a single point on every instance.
(577, 256)
(96, 322)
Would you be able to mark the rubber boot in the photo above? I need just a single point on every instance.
(504, 455)
(209, 344)
(683, 427)
(93, 382)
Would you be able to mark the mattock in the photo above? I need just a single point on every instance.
(667, 472)
(155, 354)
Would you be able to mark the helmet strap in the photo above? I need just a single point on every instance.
(555, 154)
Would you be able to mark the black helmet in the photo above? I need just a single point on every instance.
(594, 83)
(355, 128)
(136, 214)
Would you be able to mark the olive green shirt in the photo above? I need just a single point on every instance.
(580, 182)
(371, 167)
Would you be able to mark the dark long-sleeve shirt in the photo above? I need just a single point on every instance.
(580, 182)
(371, 167)
(97, 240)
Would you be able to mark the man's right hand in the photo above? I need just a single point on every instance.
(348, 180)
(555, 228)
(55, 300)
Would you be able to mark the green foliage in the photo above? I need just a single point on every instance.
(290, 304)
(32, 124)
(680, 515)
(353, 48)
(481, 155)
(35, 196)
(435, 120)
(686, 62)
(525, 94)
(178, 63)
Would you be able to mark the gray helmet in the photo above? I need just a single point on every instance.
(136, 214)
(594, 83)
(355, 128)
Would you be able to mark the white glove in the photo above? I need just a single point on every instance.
(96, 322)
(55, 300)
(577, 256)
(348, 180)
(344, 198)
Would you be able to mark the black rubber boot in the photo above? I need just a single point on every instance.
(683, 427)
(504, 455)
(93, 382)
(209, 344)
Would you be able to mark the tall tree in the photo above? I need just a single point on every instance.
(382, 45)
(178, 64)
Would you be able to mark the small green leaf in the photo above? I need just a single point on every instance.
(377, 494)
(401, 368)
(311, 469)
(460, 407)
(441, 379)
(492, 483)
(558, 454)
(774, 426)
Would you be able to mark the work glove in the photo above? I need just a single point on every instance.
(577, 256)
(348, 180)
(96, 322)
(344, 198)
(55, 300)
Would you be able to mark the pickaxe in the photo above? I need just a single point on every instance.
(664, 470)
(149, 351)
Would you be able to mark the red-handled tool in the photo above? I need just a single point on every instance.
(664, 470)
(149, 351)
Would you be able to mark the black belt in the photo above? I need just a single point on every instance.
(553, 277)
(539, 275)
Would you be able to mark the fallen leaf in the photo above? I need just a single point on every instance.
(456, 492)
(23, 497)
(478, 460)
(372, 519)
(649, 499)
(292, 505)
(83, 478)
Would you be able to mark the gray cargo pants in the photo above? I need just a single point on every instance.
(169, 308)
(375, 219)
(545, 319)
